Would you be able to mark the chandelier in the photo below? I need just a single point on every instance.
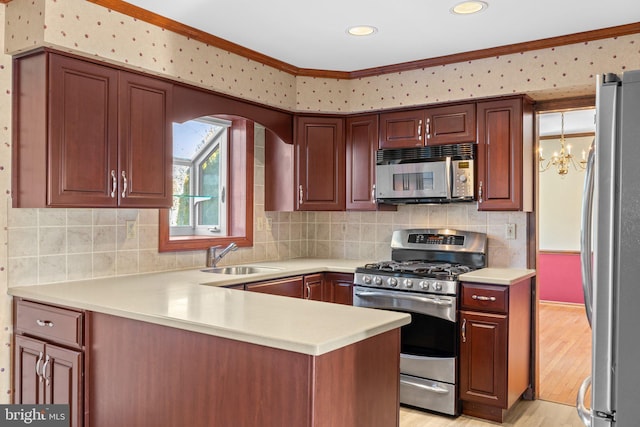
(563, 159)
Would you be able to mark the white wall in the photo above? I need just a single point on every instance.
(561, 199)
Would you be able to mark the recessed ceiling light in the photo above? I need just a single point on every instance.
(362, 30)
(469, 7)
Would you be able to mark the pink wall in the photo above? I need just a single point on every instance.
(559, 277)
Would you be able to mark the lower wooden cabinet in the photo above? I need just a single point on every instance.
(46, 373)
(328, 287)
(495, 343)
(288, 287)
(339, 288)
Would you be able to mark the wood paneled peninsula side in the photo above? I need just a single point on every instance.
(164, 349)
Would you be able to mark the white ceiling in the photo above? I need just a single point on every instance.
(312, 34)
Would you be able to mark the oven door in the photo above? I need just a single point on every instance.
(429, 342)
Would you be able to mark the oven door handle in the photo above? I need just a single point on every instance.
(434, 301)
(433, 389)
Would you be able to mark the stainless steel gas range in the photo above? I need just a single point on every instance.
(422, 279)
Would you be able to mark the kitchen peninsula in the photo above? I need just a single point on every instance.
(163, 349)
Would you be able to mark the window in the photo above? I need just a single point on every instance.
(200, 153)
(213, 183)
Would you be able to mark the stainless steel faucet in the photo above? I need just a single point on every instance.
(213, 258)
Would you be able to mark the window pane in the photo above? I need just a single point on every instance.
(210, 186)
(180, 214)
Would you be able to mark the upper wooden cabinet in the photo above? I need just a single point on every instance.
(361, 143)
(89, 135)
(450, 124)
(320, 163)
(505, 150)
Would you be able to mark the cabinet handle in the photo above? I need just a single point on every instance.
(48, 323)
(373, 194)
(124, 184)
(483, 298)
(44, 370)
(300, 195)
(419, 130)
(464, 330)
(38, 367)
(114, 183)
(308, 291)
(480, 192)
(428, 131)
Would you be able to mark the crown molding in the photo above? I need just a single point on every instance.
(209, 39)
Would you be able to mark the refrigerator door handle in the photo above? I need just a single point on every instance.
(586, 252)
(583, 412)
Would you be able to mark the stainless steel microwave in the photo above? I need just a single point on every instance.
(437, 174)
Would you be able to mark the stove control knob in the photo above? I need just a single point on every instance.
(462, 178)
(378, 280)
(424, 284)
(408, 283)
(393, 282)
(438, 286)
(366, 279)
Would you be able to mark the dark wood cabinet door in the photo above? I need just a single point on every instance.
(452, 124)
(361, 144)
(340, 288)
(288, 287)
(63, 379)
(500, 155)
(320, 150)
(483, 358)
(145, 147)
(402, 129)
(29, 355)
(82, 133)
(314, 287)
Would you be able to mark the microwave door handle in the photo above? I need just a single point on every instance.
(449, 177)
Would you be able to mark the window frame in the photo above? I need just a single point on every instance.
(221, 141)
(240, 189)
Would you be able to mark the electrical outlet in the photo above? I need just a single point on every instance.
(268, 223)
(260, 223)
(131, 229)
(510, 231)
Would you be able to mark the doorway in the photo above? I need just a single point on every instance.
(564, 336)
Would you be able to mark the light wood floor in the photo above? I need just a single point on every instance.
(536, 413)
(565, 351)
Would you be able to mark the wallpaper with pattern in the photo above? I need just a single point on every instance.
(47, 245)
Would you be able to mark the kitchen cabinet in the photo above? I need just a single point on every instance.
(320, 163)
(449, 124)
(505, 150)
(314, 287)
(288, 287)
(339, 288)
(89, 135)
(495, 343)
(45, 371)
(361, 145)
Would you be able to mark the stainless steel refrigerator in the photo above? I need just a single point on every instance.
(611, 255)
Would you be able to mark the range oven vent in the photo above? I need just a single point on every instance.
(427, 153)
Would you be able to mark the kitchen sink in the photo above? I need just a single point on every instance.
(240, 269)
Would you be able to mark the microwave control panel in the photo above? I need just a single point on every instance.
(463, 184)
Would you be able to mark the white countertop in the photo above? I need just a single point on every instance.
(179, 299)
(497, 276)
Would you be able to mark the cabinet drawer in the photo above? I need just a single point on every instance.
(485, 297)
(50, 323)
